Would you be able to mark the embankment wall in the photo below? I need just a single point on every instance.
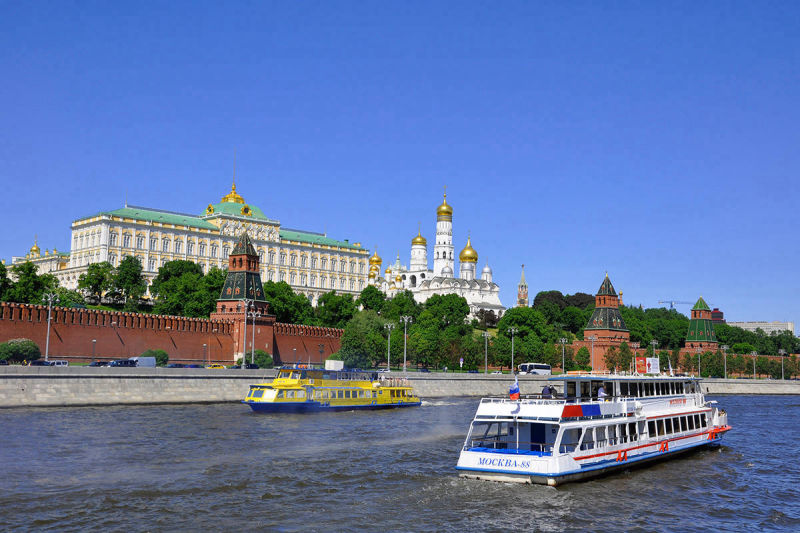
(75, 386)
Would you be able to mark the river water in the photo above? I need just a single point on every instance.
(221, 467)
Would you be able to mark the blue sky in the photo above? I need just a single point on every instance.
(655, 141)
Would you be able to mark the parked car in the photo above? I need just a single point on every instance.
(194, 366)
(123, 362)
(423, 369)
(98, 363)
(39, 362)
(216, 366)
(3, 362)
(176, 365)
(497, 372)
(250, 366)
(472, 371)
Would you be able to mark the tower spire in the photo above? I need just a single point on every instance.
(522, 290)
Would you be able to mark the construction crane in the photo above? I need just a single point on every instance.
(673, 302)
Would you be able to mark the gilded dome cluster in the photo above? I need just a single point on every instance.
(444, 211)
(419, 240)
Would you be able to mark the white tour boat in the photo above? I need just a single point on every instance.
(591, 425)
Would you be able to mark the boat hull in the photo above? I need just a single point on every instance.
(591, 471)
(317, 407)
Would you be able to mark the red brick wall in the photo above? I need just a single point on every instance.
(121, 335)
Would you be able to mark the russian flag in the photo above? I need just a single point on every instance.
(513, 390)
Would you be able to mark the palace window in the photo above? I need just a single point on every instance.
(324, 263)
(352, 285)
(342, 266)
(341, 284)
(313, 262)
(261, 256)
(352, 267)
(283, 258)
(361, 268)
(361, 285)
(126, 241)
(153, 243)
(294, 260)
(112, 259)
(283, 276)
(293, 278)
(165, 245)
(333, 265)
(112, 240)
(272, 258)
(302, 279)
(201, 249)
(178, 246)
(313, 280)
(151, 265)
(303, 261)
(213, 250)
(225, 252)
(322, 282)
(140, 242)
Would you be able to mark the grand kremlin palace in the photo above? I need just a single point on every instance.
(311, 263)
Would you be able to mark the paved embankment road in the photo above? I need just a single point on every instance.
(66, 386)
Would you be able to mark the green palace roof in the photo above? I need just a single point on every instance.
(237, 210)
(314, 238)
(156, 215)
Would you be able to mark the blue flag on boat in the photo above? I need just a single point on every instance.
(513, 390)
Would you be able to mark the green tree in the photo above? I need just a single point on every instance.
(128, 282)
(19, 350)
(97, 279)
(162, 357)
(402, 304)
(743, 348)
(363, 344)
(625, 357)
(262, 359)
(611, 358)
(288, 307)
(582, 358)
(178, 289)
(68, 298)
(5, 282)
(30, 287)
(371, 298)
(335, 310)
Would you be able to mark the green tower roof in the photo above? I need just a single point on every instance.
(701, 305)
(606, 289)
(244, 246)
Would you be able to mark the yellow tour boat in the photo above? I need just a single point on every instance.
(301, 389)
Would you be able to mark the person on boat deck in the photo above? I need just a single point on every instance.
(601, 393)
(547, 392)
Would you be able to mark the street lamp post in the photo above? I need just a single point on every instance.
(294, 355)
(485, 352)
(205, 357)
(406, 319)
(49, 297)
(724, 348)
(513, 331)
(246, 303)
(592, 338)
(253, 315)
(389, 327)
(321, 352)
(782, 352)
(698, 350)
(754, 363)
(563, 342)
(94, 345)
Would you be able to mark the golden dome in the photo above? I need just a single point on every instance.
(373, 274)
(388, 271)
(419, 239)
(375, 259)
(398, 278)
(468, 254)
(444, 211)
(233, 196)
(35, 248)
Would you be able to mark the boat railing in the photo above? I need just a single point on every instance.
(528, 399)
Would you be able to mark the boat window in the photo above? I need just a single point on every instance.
(704, 419)
(660, 426)
(301, 394)
(585, 390)
(280, 393)
(633, 389)
(623, 388)
(570, 389)
(257, 393)
(651, 428)
(664, 390)
(570, 439)
(668, 424)
(690, 421)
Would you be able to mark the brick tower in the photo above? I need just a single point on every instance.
(522, 290)
(606, 322)
(701, 328)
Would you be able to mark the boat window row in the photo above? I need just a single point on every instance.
(586, 390)
(655, 388)
(341, 394)
(328, 374)
(676, 424)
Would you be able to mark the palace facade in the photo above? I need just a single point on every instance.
(481, 293)
(311, 263)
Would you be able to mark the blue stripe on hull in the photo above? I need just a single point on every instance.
(316, 407)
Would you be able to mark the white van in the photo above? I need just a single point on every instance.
(144, 361)
(537, 369)
(59, 362)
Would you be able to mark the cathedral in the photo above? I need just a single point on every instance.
(481, 293)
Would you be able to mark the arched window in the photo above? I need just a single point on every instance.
(292, 278)
(189, 248)
(313, 280)
(140, 242)
(324, 263)
(294, 260)
(302, 279)
(283, 258)
(165, 245)
(151, 265)
(201, 249)
(153, 243)
(313, 262)
(283, 276)
(333, 265)
(213, 250)
(178, 246)
(303, 261)
(225, 252)
(272, 275)
(126, 241)
(272, 258)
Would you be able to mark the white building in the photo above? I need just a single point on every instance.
(311, 263)
(766, 327)
(481, 292)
